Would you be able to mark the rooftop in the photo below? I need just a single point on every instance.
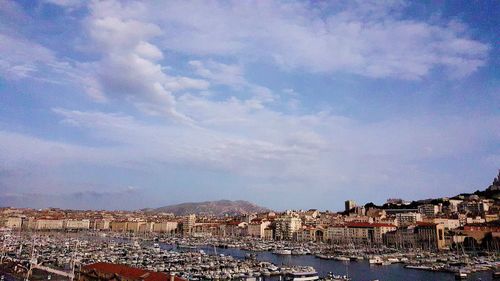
(129, 272)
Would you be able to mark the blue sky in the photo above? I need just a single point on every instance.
(126, 105)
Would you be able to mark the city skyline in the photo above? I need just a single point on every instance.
(129, 105)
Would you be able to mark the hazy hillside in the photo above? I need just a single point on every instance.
(215, 208)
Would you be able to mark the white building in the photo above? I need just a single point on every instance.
(287, 226)
(406, 219)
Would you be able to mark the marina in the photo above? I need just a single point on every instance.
(239, 259)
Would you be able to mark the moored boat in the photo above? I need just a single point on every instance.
(282, 252)
(302, 276)
(460, 275)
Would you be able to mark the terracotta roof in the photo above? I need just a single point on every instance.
(129, 272)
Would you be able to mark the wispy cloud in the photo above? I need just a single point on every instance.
(317, 151)
(367, 39)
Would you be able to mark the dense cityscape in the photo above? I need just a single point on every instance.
(255, 140)
(459, 235)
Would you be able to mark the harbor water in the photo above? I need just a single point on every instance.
(357, 270)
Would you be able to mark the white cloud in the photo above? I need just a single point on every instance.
(233, 76)
(22, 58)
(319, 151)
(130, 66)
(370, 40)
(314, 144)
(220, 73)
(128, 40)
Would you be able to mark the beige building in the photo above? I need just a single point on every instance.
(188, 223)
(358, 232)
(430, 235)
(233, 228)
(76, 224)
(139, 226)
(165, 227)
(448, 224)
(268, 233)
(206, 229)
(102, 224)
(308, 233)
(256, 228)
(46, 224)
(453, 206)
(13, 222)
(118, 226)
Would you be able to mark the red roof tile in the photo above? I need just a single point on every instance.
(130, 272)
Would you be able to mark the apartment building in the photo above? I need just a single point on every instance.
(286, 227)
(188, 223)
(165, 227)
(139, 226)
(46, 224)
(430, 236)
(359, 232)
(101, 224)
(406, 219)
(76, 224)
(13, 222)
(256, 228)
(428, 210)
(118, 226)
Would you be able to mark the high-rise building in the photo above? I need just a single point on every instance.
(188, 223)
(349, 204)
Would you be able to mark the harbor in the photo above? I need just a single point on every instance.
(236, 259)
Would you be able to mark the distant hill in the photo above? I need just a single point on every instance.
(213, 208)
(491, 192)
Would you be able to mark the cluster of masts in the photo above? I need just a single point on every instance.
(197, 258)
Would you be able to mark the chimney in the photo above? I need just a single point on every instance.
(172, 276)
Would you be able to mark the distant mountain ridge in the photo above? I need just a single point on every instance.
(211, 208)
